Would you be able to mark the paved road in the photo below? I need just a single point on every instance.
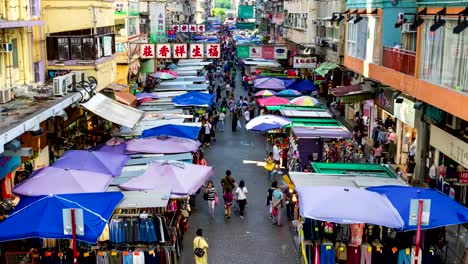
(250, 240)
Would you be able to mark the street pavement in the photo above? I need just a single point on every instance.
(250, 240)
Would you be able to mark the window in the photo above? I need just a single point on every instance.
(132, 26)
(362, 39)
(444, 56)
(15, 52)
(63, 49)
(88, 49)
(332, 33)
(37, 72)
(75, 49)
(33, 8)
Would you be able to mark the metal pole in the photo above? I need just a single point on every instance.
(418, 233)
(75, 253)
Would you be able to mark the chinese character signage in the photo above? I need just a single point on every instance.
(197, 51)
(305, 62)
(213, 51)
(179, 51)
(192, 28)
(281, 53)
(255, 52)
(189, 28)
(184, 28)
(268, 52)
(158, 22)
(147, 51)
(245, 25)
(120, 8)
(176, 27)
(163, 51)
(245, 11)
(200, 28)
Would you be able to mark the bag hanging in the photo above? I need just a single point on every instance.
(269, 166)
(216, 200)
(239, 124)
(199, 252)
(274, 212)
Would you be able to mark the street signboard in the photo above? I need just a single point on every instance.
(245, 11)
(245, 25)
(305, 62)
(414, 210)
(243, 52)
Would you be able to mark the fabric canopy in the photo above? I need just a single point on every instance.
(51, 180)
(347, 206)
(163, 145)
(41, 216)
(320, 132)
(95, 161)
(263, 123)
(325, 67)
(269, 83)
(443, 212)
(190, 132)
(180, 178)
(303, 86)
(273, 100)
(193, 99)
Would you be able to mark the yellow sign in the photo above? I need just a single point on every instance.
(369, 249)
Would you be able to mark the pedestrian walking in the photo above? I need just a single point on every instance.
(201, 159)
(289, 195)
(235, 119)
(276, 155)
(207, 132)
(200, 248)
(269, 199)
(247, 115)
(241, 192)
(222, 116)
(270, 165)
(277, 200)
(228, 197)
(228, 181)
(210, 196)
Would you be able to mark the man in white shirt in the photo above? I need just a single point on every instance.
(276, 155)
(247, 115)
(222, 116)
(207, 138)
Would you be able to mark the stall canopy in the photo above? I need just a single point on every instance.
(179, 177)
(95, 161)
(41, 216)
(273, 100)
(183, 131)
(269, 83)
(346, 205)
(163, 145)
(263, 123)
(51, 180)
(303, 86)
(325, 67)
(113, 111)
(125, 98)
(443, 210)
(320, 132)
(352, 93)
(145, 199)
(193, 99)
(114, 146)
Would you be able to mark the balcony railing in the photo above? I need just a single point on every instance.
(400, 60)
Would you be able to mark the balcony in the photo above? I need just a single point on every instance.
(400, 60)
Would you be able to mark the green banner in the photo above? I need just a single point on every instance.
(243, 52)
(245, 11)
(245, 25)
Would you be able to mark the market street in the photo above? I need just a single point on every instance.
(250, 240)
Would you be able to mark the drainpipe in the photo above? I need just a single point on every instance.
(22, 63)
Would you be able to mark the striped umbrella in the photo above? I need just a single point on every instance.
(305, 101)
(163, 76)
(265, 93)
(289, 92)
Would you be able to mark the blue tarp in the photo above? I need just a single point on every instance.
(190, 132)
(303, 86)
(41, 216)
(193, 99)
(444, 211)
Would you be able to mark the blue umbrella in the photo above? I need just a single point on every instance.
(193, 99)
(41, 216)
(264, 123)
(444, 211)
(190, 132)
(172, 66)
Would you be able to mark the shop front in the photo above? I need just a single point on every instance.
(406, 134)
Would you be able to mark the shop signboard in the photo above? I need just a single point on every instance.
(384, 100)
(463, 177)
(268, 52)
(245, 11)
(120, 8)
(197, 51)
(184, 28)
(305, 62)
(171, 35)
(147, 51)
(192, 28)
(243, 52)
(158, 22)
(176, 27)
(163, 51)
(245, 25)
(453, 147)
(8, 164)
(404, 111)
(179, 51)
(255, 52)
(281, 52)
(213, 51)
(200, 28)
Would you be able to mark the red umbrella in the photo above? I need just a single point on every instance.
(274, 100)
(173, 73)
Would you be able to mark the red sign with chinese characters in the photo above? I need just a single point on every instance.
(179, 51)
(201, 28)
(147, 51)
(184, 28)
(193, 28)
(305, 62)
(163, 51)
(197, 51)
(213, 51)
(176, 27)
(268, 52)
(463, 177)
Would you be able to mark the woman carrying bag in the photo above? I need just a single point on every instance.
(241, 192)
(269, 165)
(210, 196)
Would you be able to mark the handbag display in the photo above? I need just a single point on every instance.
(199, 252)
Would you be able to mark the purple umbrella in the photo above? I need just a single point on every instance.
(51, 180)
(96, 161)
(163, 145)
(145, 95)
(269, 83)
(178, 177)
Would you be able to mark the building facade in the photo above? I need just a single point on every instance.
(80, 36)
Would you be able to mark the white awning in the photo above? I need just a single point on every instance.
(145, 199)
(113, 111)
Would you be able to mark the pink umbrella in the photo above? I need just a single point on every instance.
(178, 177)
(163, 145)
(274, 100)
(173, 73)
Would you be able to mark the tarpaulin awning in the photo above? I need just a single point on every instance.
(183, 131)
(320, 132)
(145, 199)
(193, 99)
(443, 210)
(41, 216)
(113, 111)
(325, 67)
(163, 145)
(269, 83)
(347, 205)
(352, 93)
(303, 86)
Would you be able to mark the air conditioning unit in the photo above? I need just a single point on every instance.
(5, 96)
(407, 28)
(6, 47)
(60, 85)
(70, 78)
(80, 76)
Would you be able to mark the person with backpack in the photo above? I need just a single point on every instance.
(241, 192)
(200, 248)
